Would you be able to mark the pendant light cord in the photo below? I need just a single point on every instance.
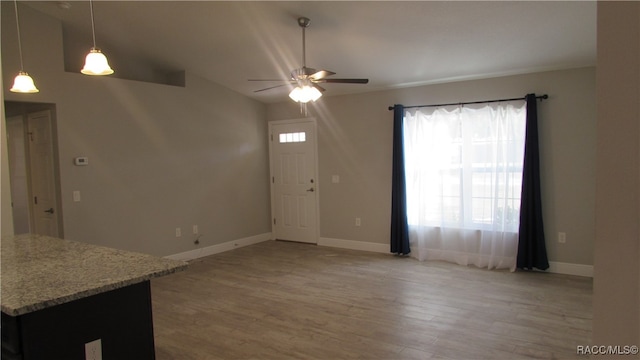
(19, 39)
(93, 25)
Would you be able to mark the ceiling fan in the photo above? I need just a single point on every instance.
(306, 78)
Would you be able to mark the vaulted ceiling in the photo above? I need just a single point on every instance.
(394, 44)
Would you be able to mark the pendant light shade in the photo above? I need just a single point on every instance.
(23, 83)
(304, 94)
(96, 62)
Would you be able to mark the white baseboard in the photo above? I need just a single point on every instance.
(554, 266)
(219, 248)
(354, 245)
(570, 269)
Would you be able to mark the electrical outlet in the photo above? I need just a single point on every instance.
(562, 237)
(178, 232)
(76, 196)
(93, 350)
(358, 222)
(195, 229)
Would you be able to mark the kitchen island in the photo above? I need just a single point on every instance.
(60, 295)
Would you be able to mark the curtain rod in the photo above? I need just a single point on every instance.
(541, 97)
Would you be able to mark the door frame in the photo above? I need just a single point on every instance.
(313, 122)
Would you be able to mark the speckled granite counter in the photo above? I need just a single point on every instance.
(58, 296)
(40, 271)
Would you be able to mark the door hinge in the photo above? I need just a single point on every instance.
(273, 179)
(274, 221)
(35, 200)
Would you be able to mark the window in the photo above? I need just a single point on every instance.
(464, 166)
(293, 137)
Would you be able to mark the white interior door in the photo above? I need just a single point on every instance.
(18, 174)
(43, 191)
(294, 188)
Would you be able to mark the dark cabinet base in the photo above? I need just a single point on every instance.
(121, 318)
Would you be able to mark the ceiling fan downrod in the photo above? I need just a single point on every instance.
(303, 22)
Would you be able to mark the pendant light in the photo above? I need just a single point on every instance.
(23, 83)
(95, 63)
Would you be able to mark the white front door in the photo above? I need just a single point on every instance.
(294, 187)
(43, 190)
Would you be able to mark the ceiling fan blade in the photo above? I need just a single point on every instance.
(345, 81)
(318, 87)
(267, 80)
(321, 74)
(271, 87)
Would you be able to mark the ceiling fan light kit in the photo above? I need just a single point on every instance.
(306, 79)
(304, 94)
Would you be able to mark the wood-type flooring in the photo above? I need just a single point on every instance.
(284, 300)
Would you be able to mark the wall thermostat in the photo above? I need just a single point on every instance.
(81, 160)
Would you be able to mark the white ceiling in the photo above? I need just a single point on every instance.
(394, 44)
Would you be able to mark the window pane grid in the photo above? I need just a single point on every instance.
(295, 137)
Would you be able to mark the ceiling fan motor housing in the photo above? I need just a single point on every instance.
(302, 73)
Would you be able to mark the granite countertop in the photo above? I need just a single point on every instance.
(41, 271)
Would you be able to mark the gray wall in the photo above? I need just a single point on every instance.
(616, 291)
(160, 156)
(355, 138)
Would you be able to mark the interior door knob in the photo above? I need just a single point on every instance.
(311, 190)
(50, 211)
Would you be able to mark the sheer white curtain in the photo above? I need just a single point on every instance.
(464, 174)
